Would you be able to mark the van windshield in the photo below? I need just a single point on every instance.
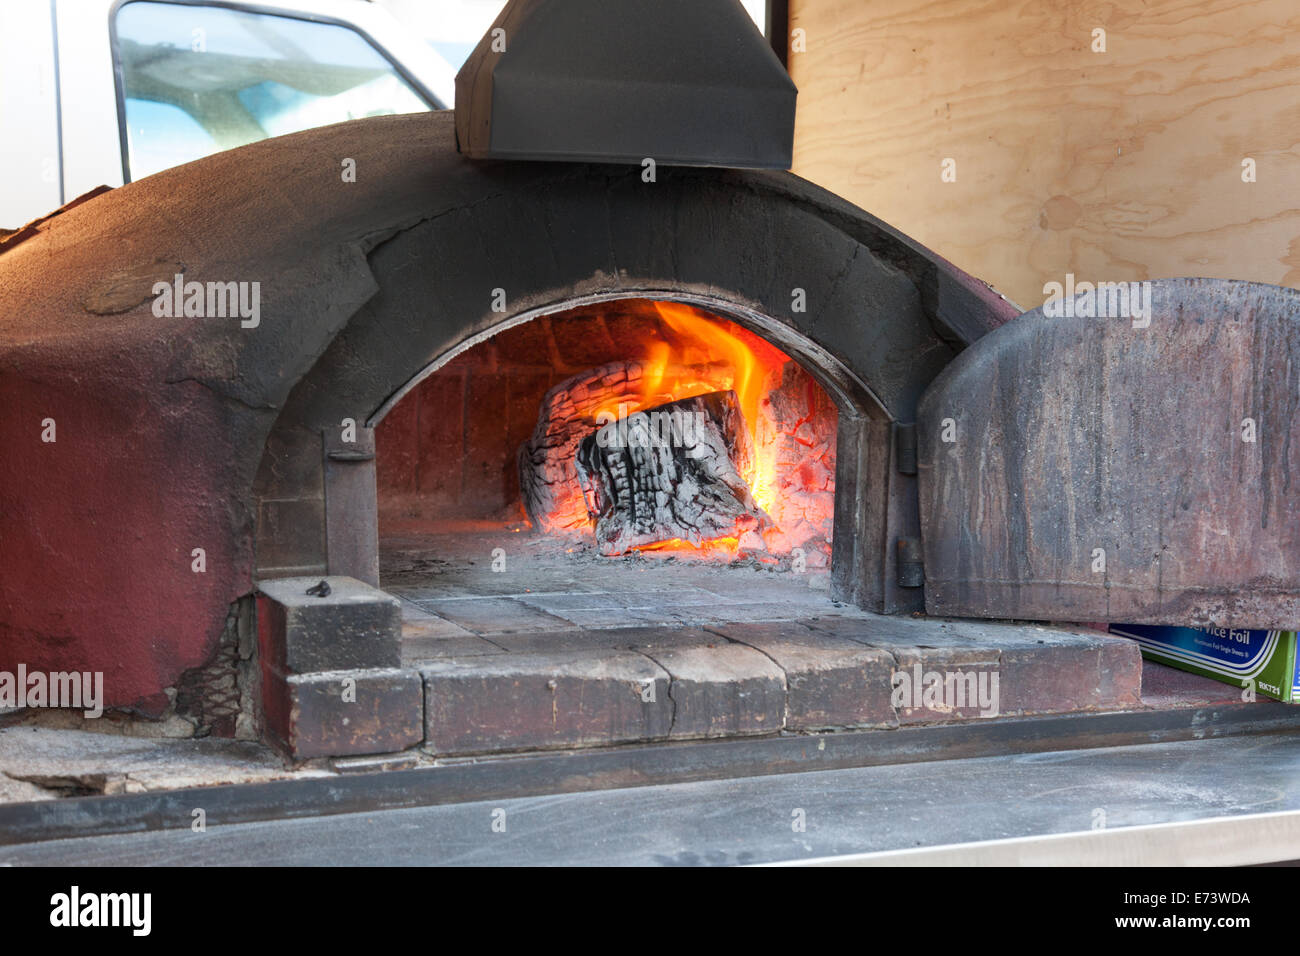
(198, 79)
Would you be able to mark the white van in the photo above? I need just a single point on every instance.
(107, 91)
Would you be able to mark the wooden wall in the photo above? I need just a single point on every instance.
(1119, 165)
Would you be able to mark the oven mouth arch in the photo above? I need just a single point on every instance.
(853, 398)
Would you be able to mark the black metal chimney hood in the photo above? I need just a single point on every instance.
(682, 82)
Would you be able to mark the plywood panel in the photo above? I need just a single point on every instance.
(1119, 165)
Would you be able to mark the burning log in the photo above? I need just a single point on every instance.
(671, 472)
(548, 479)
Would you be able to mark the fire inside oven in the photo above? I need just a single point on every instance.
(628, 427)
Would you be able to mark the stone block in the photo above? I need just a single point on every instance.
(1097, 673)
(343, 713)
(957, 669)
(544, 700)
(354, 626)
(831, 682)
(724, 691)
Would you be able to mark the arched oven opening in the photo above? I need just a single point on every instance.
(656, 456)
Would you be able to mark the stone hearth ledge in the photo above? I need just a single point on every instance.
(574, 688)
(481, 686)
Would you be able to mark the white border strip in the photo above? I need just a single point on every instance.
(1218, 841)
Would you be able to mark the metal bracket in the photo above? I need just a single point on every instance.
(905, 447)
(911, 568)
(351, 523)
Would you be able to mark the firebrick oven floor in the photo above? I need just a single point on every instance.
(499, 588)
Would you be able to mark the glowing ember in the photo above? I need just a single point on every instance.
(725, 547)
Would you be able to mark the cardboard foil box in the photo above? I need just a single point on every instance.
(1266, 659)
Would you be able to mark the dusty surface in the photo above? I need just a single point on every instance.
(41, 763)
(422, 562)
(748, 819)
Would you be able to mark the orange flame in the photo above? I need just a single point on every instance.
(709, 355)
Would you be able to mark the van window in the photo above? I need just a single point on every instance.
(196, 79)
